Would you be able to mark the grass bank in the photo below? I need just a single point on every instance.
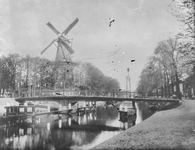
(169, 129)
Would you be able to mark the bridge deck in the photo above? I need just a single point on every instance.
(95, 98)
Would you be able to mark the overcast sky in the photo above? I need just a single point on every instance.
(138, 27)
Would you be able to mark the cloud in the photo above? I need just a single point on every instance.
(141, 3)
(137, 8)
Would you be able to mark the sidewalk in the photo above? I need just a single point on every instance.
(169, 129)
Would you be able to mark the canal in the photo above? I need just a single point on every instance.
(82, 131)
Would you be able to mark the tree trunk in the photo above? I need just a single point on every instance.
(172, 85)
(178, 93)
(157, 92)
(168, 87)
(165, 89)
(162, 93)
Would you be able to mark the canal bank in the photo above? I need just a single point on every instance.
(168, 129)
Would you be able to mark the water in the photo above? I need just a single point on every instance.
(82, 131)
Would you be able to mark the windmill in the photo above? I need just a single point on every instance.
(62, 46)
(62, 41)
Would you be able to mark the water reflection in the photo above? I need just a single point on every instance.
(142, 112)
(81, 131)
(60, 123)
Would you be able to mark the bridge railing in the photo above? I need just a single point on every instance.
(92, 93)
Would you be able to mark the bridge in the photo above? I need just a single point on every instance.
(70, 101)
(72, 96)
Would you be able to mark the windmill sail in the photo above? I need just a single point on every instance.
(53, 28)
(70, 26)
(47, 47)
(69, 49)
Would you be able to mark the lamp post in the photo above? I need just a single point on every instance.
(66, 73)
(64, 82)
(128, 81)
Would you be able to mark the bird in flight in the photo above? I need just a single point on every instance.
(110, 24)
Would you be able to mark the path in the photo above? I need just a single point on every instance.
(170, 129)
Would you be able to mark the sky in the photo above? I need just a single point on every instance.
(137, 28)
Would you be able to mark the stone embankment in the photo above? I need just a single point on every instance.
(169, 129)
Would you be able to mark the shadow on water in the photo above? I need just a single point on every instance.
(82, 131)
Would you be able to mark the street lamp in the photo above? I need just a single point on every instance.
(128, 80)
(66, 75)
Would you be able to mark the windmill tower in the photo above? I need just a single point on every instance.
(128, 84)
(64, 50)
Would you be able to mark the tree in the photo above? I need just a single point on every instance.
(46, 74)
(90, 77)
(9, 67)
(166, 68)
(184, 11)
(26, 74)
(110, 85)
(170, 53)
(94, 77)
